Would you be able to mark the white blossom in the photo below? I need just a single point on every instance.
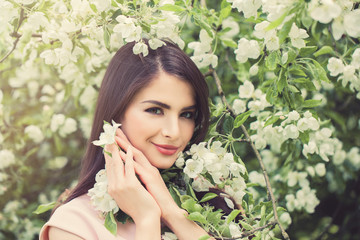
(108, 136)
(7, 158)
(142, 48)
(234, 229)
(99, 196)
(297, 35)
(193, 168)
(56, 121)
(356, 58)
(180, 162)
(335, 66)
(247, 49)
(239, 106)
(248, 7)
(254, 69)
(351, 23)
(246, 90)
(168, 236)
(297, 178)
(354, 157)
(291, 131)
(320, 169)
(293, 115)
(68, 127)
(201, 184)
(271, 40)
(325, 11)
(260, 29)
(309, 148)
(34, 133)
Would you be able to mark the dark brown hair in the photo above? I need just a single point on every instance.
(126, 74)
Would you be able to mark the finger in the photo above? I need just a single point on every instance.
(129, 163)
(138, 155)
(121, 134)
(113, 162)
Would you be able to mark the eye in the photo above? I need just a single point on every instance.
(187, 115)
(154, 110)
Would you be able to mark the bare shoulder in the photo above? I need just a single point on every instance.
(59, 234)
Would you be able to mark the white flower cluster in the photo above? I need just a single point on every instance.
(211, 159)
(305, 198)
(108, 136)
(63, 125)
(99, 196)
(254, 99)
(247, 49)
(203, 56)
(340, 12)
(248, 7)
(129, 28)
(347, 74)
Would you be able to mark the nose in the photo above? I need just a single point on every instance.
(171, 127)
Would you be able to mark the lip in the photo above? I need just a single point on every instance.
(166, 149)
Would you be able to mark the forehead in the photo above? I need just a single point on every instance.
(168, 89)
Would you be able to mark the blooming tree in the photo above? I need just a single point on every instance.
(284, 78)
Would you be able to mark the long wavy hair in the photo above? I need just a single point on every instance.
(126, 74)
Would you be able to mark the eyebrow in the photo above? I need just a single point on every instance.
(166, 106)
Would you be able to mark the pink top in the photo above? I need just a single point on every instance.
(80, 218)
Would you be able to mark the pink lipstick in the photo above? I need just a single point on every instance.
(166, 149)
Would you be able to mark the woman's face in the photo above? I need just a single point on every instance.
(160, 119)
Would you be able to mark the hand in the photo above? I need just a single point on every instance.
(126, 189)
(151, 177)
(172, 215)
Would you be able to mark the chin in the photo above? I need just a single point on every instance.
(163, 165)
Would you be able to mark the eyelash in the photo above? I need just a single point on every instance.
(158, 111)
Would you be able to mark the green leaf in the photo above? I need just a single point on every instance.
(228, 124)
(172, 8)
(204, 237)
(304, 137)
(324, 50)
(208, 197)
(262, 215)
(232, 215)
(190, 191)
(44, 207)
(190, 205)
(282, 81)
(306, 51)
(311, 103)
(225, 10)
(277, 22)
(106, 38)
(110, 223)
(229, 43)
(272, 60)
(245, 225)
(240, 119)
(273, 119)
(204, 25)
(175, 195)
(198, 217)
(284, 31)
(320, 71)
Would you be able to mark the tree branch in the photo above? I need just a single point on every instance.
(248, 233)
(16, 35)
(257, 154)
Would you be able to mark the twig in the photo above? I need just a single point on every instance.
(248, 233)
(257, 154)
(15, 34)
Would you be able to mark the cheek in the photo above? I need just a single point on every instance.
(134, 128)
(188, 131)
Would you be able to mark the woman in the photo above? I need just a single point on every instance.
(161, 100)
